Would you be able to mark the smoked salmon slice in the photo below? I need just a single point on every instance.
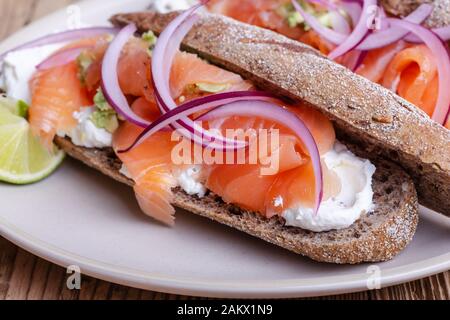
(296, 187)
(149, 164)
(56, 94)
(188, 70)
(312, 39)
(134, 68)
(246, 185)
(413, 75)
(261, 13)
(242, 185)
(376, 61)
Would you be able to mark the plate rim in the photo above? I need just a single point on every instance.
(292, 288)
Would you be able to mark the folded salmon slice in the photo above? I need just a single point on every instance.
(296, 187)
(188, 70)
(376, 61)
(59, 92)
(56, 94)
(413, 75)
(150, 164)
(134, 68)
(247, 186)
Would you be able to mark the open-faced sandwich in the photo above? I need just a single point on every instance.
(243, 126)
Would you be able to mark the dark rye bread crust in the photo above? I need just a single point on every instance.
(365, 113)
(440, 16)
(378, 236)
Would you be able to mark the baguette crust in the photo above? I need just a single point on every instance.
(378, 236)
(363, 112)
(440, 17)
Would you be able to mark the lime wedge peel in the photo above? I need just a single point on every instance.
(23, 159)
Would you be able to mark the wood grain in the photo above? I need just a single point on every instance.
(24, 276)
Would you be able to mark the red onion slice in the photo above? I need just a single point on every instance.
(353, 9)
(386, 37)
(162, 59)
(61, 58)
(443, 33)
(327, 33)
(325, 3)
(359, 33)
(443, 63)
(64, 36)
(110, 80)
(339, 23)
(261, 109)
(354, 59)
(220, 99)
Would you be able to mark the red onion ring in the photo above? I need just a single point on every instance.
(61, 58)
(340, 23)
(354, 59)
(64, 36)
(353, 9)
(359, 33)
(434, 43)
(443, 33)
(110, 80)
(376, 39)
(386, 37)
(327, 33)
(220, 99)
(162, 59)
(246, 108)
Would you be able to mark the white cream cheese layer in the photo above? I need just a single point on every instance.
(355, 198)
(18, 68)
(190, 180)
(86, 133)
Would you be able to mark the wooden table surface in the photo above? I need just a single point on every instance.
(24, 276)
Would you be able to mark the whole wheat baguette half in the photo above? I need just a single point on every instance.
(379, 121)
(377, 236)
(440, 17)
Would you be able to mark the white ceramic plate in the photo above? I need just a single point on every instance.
(79, 217)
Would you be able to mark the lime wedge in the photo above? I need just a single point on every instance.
(23, 159)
